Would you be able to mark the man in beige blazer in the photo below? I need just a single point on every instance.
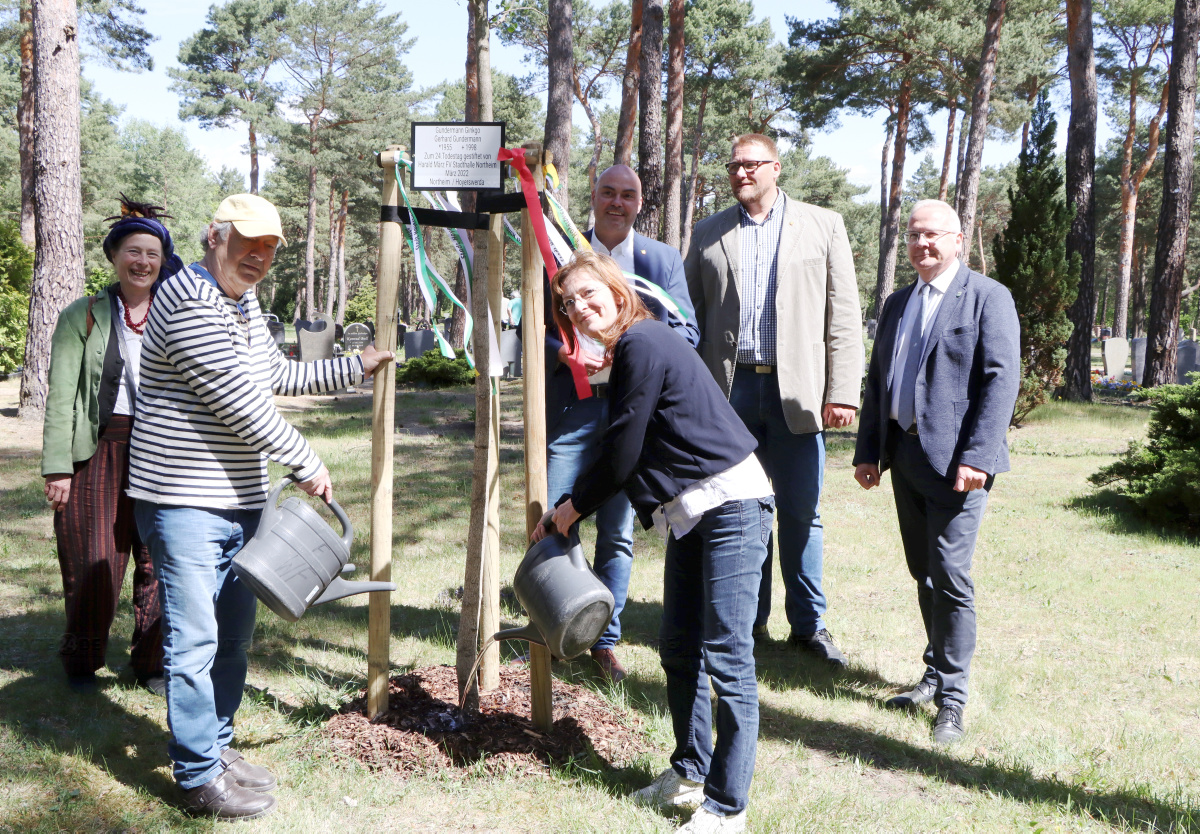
(772, 281)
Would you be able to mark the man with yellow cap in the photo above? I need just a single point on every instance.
(206, 425)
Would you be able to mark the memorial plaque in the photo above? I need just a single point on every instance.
(456, 156)
(1116, 354)
(356, 337)
(1138, 365)
(417, 342)
(1186, 361)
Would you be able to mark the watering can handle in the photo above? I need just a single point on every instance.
(334, 507)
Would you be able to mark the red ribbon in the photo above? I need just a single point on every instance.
(516, 158)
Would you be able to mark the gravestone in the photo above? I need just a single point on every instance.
(1138, 348)
(417, 342)
(315, 340)
(276, 331)
(357, 337)
(510, 353)
(871, 325)
(1116, 354)
(1187, 361)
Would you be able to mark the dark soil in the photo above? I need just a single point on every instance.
(422, 731)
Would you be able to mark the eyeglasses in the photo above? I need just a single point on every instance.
(930, 237)
(568, 304)
(751, 165)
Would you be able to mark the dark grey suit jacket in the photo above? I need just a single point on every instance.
(967, 382)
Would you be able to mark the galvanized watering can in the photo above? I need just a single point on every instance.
(296, 560)
(568, 605)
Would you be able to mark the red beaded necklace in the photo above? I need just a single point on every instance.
(136, 327)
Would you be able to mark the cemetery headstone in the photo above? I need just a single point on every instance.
(1138, 348)
(1116, 354)
(276, 331)
(356, 337)
(315, 340)
(871, 325)
(510, 353)
(1186, 361)
(417, 342)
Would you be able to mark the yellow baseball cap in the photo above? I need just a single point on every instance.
(251, 215)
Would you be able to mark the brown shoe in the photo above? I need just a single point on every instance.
(610, 667)
(224, 798)
(249, 776)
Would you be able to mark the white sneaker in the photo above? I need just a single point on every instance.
(705, 821)
(670, 790)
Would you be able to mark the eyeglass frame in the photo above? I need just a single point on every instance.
(562, 308)
(746, 163)
(930, 236)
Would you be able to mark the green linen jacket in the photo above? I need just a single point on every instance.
(72, 423)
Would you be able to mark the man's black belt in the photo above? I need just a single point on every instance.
(910, 430)
(600, 391)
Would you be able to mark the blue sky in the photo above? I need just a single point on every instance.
(437, 55)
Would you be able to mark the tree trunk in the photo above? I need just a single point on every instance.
(689, 209)
(961, 155)
(58, 264)
(560, 57)
(343, 289)
(673, 173)
(967, 192)
(886, 274)
(1170, 250)
(310, 240)
(253, 159)
(948, 154)
(330, 283)
(593, 167)
(457, 329)
(650, 148)
(1131, 182)
(25, 115)
(884, 156)
(1081, 175)
(623, 152)
(1137, 319)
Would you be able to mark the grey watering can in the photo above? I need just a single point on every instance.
(568, 605)
(295, 560)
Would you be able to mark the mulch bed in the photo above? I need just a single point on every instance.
(422, 732)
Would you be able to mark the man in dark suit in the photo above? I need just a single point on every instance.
(575, 426)
(940, 393)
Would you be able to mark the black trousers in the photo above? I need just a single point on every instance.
(939, 527)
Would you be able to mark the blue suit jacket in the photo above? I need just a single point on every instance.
(654, 261)
(967, 381)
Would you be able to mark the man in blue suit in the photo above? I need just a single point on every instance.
(940, 393)
(575, 426)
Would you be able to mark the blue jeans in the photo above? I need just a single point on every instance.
(208, 622)
(572, 450)
(795, 463)
(710, 594)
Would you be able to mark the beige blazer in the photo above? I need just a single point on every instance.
(819, 332)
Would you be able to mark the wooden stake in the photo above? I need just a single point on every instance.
(489, 615)
(383, 418)
(533, 363)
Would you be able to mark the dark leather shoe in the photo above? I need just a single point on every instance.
(948, 727)
(224, 798)
(155, 683)
(922, 693)
(761, 634)
(610, 667)
(819, 645)
(249, 776)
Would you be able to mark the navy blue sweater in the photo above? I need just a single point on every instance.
(669, 424)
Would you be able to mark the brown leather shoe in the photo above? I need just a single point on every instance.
(610, 667)
(249, 776)
(224, 798)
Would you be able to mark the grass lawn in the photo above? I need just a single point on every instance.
(1085, 693)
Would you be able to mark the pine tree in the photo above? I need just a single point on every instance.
(1031, 260)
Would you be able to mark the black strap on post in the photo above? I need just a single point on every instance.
(434, 217)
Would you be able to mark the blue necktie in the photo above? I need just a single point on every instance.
(906, 412)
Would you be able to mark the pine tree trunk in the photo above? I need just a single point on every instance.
(650, 148)
(1080, 160)
(560, 57)
(343, 290)
(483, 58)
(673, 173)
(26, 106)
(623, 152)
(330, 282)
(884, 156)
(961, 154)
(310, 239)
(948, 154)
(1170, 251)
(689, 209)
(253, 159)
(886, 274)
(58, 265)
(967, 193)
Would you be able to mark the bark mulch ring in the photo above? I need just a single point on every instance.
(423, 733)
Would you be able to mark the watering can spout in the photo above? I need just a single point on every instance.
(526, 632)
(340, 588)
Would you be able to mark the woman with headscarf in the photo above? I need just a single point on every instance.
(686, 461)
(90, 410)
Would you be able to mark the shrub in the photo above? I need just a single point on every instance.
(433, 370)
(361, 308)
(1162, 476)
(16, 275)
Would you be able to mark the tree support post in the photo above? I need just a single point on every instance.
(383, 418)
(533, 362)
